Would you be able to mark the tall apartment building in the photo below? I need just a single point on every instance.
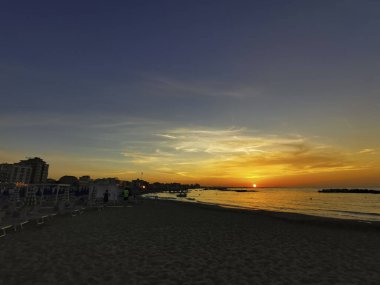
(21, 173)
(40, 169)
(15, 173)
(5, 172)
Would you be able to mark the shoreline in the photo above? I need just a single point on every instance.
(284, 216)
(280, 215)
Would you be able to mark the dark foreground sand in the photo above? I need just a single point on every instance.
(170, 243)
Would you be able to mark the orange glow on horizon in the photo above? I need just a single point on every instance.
(231, 157)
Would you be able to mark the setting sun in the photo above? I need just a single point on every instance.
(254, 185)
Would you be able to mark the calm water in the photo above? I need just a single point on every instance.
(308, 201)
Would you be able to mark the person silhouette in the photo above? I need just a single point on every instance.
(105, 197)
(126, 194)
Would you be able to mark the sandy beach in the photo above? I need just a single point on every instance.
(164, 242)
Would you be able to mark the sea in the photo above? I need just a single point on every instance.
(308, 201)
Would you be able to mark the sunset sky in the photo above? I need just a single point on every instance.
(272, 92)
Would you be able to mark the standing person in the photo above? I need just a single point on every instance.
(126, 194)
(105, 197)
(133, 193)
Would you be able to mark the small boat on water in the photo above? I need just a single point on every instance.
(182, 194)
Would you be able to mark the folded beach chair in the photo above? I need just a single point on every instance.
(46, 202)
(92, 201)
(18, 218)
(12, 210)
(31, 210)
(15, 196)
(3, 225)
(6, 206)
(67, 203)
(78, 206)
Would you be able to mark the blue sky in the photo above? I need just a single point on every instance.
(91, 85)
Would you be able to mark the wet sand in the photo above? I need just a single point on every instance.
(164, 242)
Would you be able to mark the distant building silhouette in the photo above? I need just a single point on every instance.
(107, 181)
(21, 173)
(67, 179)
(40, 169)
(5, 171)
(86, 179)
(51, 181)
(15, 173)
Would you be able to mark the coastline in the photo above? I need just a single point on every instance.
(287, 216)
(304, 201)
(166, 242)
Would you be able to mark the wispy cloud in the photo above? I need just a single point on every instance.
(166, 136)
(367, 151)
(239, 152)
(231, 141)
(139, 157)
(200, 153)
